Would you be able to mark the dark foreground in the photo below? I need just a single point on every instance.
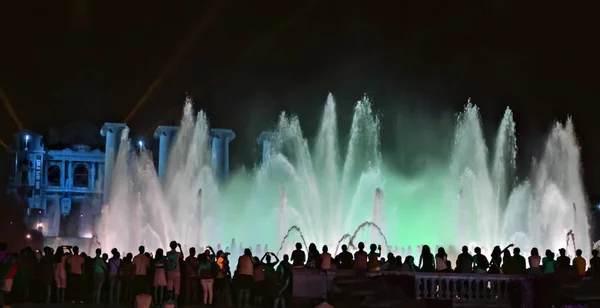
(39, 305)
(402, 289)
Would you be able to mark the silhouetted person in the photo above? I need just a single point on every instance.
(76, 282)
(141, 262)
(409, 264)
(441, 260)
(534, 262)
(344, 259)
(174, 259)
(390, 263)
(480, 262)
(208, 272)
(270, 274)
(563, 263)
(325, 258)
(285, 265)
(60, 274)
(595, 264)
(258, 291)
(114, 281)
(426, 260)
(399, 263)
(496, 260)
(298, 257)
(519, 262)
(508, 265)
(360, 259)
(222, 280)
(464, 261)
(126, 273)
(373, 258)
(99, 268)
(46, 273)
(245, 277)
(579, 263)
(312, 260)
(269, 265)
(548, 262)
(284, 276)
(191, 286)
(27, 264)
(8, 271)
(160, 277)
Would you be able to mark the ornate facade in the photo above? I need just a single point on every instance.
(60, 187)
(64, 190)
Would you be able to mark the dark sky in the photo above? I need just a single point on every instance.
(244, 61)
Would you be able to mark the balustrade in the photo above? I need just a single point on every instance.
(455, 286)
(427, 286)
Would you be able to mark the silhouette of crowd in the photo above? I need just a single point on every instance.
(159, 279)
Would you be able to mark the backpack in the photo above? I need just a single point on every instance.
(172, 261)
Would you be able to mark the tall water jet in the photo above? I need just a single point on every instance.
(282, 212)
(558, 189)
(378, 213)
(326, 190)
(469, 166)
(504, 162)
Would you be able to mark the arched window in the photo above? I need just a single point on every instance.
(81, 176)
(54, 176)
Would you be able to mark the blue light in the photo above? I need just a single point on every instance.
(26, 137)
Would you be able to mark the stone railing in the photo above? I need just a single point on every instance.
(457, 286)
(312, 283)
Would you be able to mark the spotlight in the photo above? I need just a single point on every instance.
(28, 236)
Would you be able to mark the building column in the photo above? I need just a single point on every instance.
(93, 176)
(220, 151)
(166, 135)
(70, 175)
(113, 133)
(265, 140)
(63, 174)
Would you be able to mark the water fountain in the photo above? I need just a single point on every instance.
(327, 192)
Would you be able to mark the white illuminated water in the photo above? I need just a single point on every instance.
(327, 188)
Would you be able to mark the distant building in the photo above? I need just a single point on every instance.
(61, 188)
(64, 188)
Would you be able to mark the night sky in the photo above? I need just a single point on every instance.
(245, 61)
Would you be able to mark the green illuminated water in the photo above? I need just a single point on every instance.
(327, 187)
